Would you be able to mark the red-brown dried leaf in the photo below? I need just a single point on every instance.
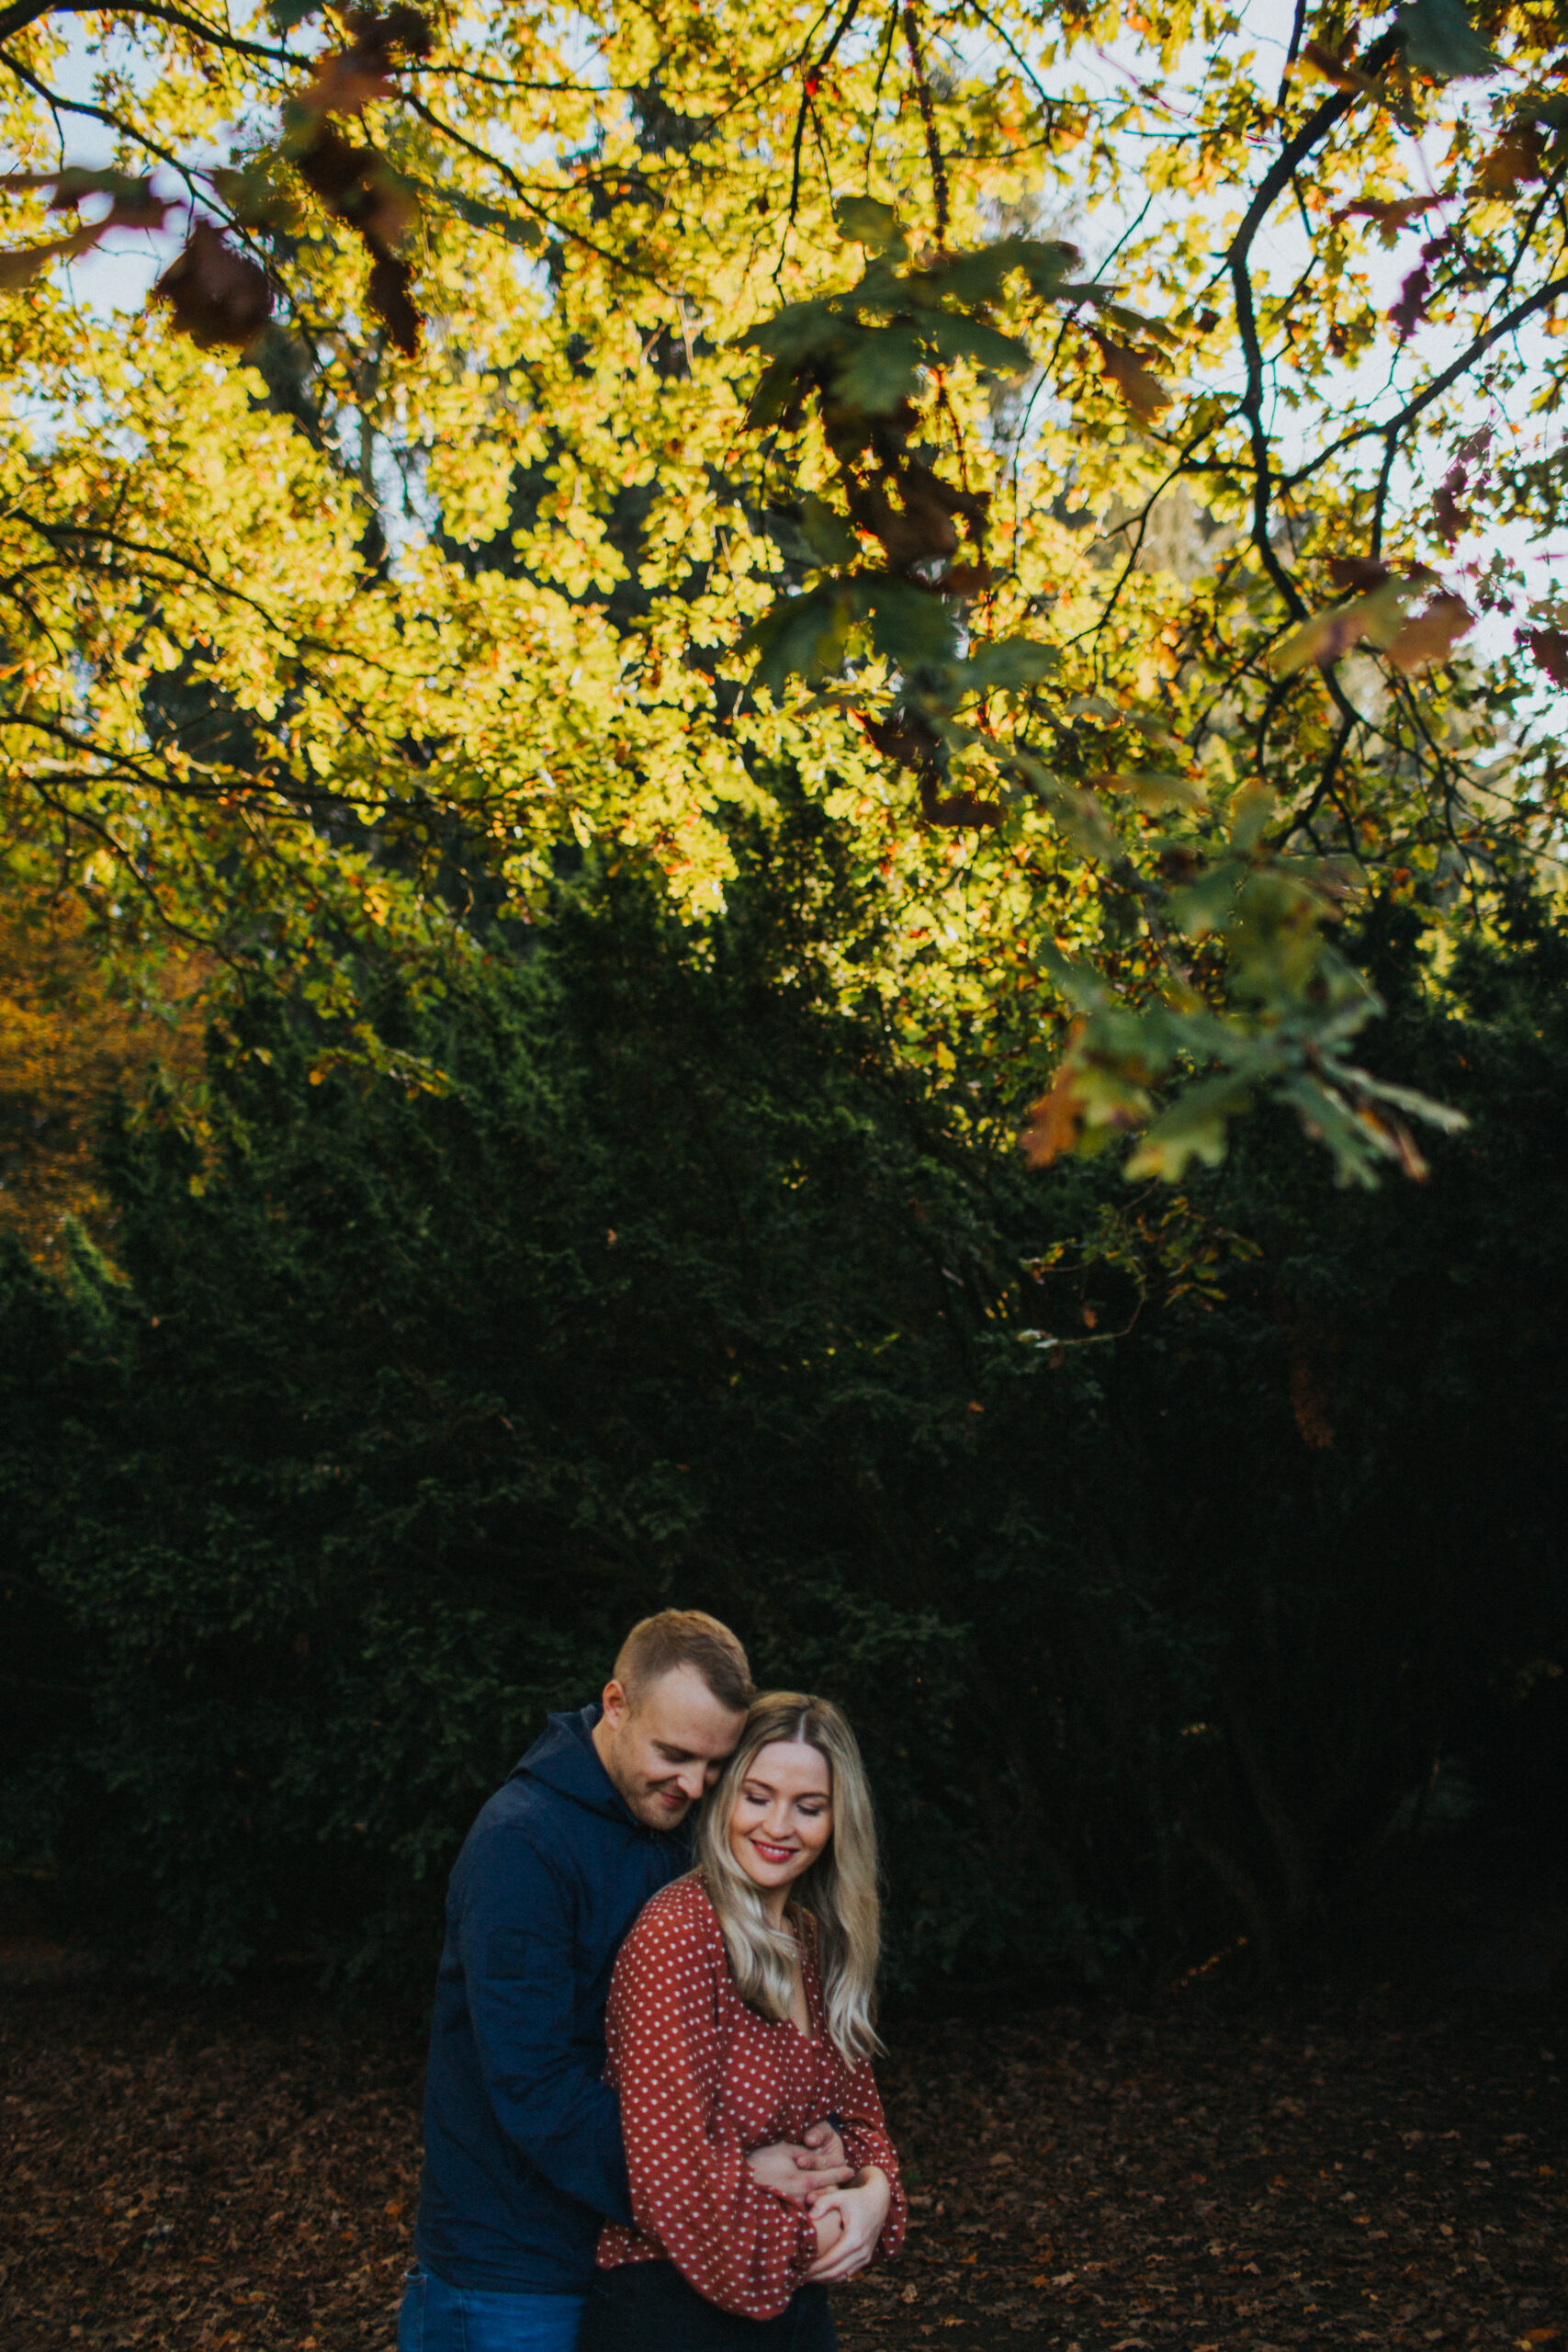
(1390, 212)
(1360, 572)
(389, 292)
(343, 82)
(1549, 651)
(1431, 636)
(1519, 160)
(1052, 1125)
(1414, 294)
(1447, 513)
(332, 166)
(217, 296)
(377, 35)
(1339, 71)
(1144, 392)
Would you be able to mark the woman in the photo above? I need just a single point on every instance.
(740, 2014)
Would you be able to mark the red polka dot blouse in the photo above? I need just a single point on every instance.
(702, 2081)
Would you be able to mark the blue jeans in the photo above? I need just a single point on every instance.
(438, 2318)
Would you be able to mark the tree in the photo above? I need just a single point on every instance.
(1160, 1569)
(660, 504)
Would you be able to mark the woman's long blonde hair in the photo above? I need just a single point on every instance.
(839, 1890)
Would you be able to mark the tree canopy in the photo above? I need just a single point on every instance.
(1071, 443)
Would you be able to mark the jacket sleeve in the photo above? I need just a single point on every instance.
(693, 2192)
(863, 2131)
(515, 1936)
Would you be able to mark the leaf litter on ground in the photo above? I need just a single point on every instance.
(214, 2173)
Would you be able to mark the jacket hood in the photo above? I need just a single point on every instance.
(565, 1759)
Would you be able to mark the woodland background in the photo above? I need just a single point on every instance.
(636, 662)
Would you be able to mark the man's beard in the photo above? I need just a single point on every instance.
(652, 1811)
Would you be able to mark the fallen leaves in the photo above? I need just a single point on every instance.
(183, 2172)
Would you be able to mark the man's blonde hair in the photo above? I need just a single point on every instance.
(677, 1637)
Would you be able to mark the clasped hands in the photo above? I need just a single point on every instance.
(848, 2206)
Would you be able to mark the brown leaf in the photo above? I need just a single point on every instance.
(1390, 212)
(1549, 651)
(1518, 159)
(1340, 72)
(1431, 635)
(333, 167)
(217, 296)
(343, 82)
(1414, 295)
(19, 267)
(1325, 638)
(1359, 571)
(1144, 392)
(392, 208)
(1447, 513)
(1050, 1126)
(964, 810)
(390, 282)
(401, 26)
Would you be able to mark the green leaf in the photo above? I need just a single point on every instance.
(517, 228)
(800, 331)
(1250, 811)
(1204, 905)
(883, 368)
(910, 627)
(1195, 1126)
(802, 637)
(825, 532)
(1008, 664)
(866, 221)
(953, 338)
(1440, 39)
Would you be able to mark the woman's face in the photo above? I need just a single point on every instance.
(784, 1813)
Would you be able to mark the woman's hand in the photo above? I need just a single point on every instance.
(793, 2169)
(860, 2209)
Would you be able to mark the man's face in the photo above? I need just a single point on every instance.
(665, 1752)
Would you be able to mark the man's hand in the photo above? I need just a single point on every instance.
(793, 2169)
(861, 2209)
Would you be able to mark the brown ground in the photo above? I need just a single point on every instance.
(1361, 2168)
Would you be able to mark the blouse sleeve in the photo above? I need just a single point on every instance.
(863, 2131)
(741, 2246)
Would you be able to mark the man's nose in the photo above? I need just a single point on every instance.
(692, 1782)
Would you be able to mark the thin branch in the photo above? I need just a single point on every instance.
(928, 117)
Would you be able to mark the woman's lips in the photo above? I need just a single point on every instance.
(773, 1853)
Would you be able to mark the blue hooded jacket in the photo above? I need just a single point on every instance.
(523, 2154)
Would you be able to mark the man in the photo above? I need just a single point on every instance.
(523, 2154)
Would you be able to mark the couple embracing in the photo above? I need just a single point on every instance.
(650, 2120)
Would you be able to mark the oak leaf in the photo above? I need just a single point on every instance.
(1142, 392)
(1050, 1126)
(1549, 651)
(1431, 636)
(216, 295)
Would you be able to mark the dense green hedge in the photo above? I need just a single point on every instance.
(406, 1406)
